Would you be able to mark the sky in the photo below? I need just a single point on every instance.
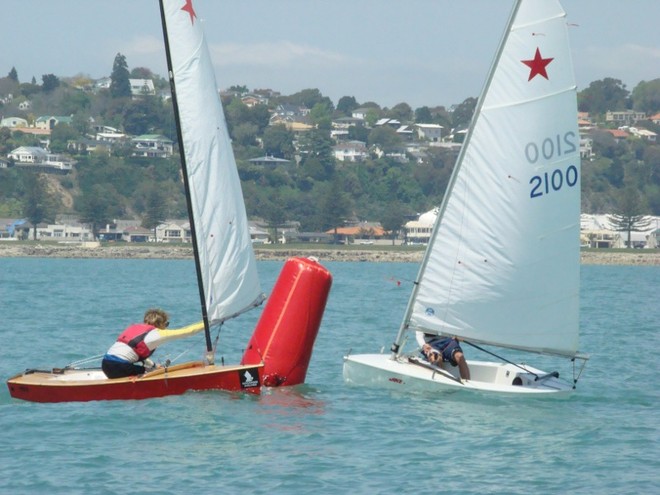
(421, 52)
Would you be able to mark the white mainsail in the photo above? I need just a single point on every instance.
(226, 259)
(503, 265)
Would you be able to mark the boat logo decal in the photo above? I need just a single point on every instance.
(430, 312)
(249, 378)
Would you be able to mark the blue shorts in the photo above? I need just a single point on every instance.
(447, 347)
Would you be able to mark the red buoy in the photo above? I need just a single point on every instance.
(284, 336)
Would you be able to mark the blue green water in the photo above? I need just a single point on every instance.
(323, 437)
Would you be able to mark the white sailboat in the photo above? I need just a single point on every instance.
(280, 348)
(503, 264)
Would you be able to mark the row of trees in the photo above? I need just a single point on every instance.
(314, 189)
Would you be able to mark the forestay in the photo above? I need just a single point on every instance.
(503, 266)
(226, 259)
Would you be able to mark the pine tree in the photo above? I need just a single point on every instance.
(628, 216)
(120, 86)
(13, 75)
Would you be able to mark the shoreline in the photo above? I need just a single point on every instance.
(13, 250)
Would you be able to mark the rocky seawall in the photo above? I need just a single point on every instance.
(38, 250)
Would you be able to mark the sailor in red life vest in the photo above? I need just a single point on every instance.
(129, 355)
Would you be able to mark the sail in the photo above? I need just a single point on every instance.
(503, 264)
(226, 259)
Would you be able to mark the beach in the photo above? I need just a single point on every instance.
(384, 254)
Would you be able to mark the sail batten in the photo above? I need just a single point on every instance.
(503, 265)
(225, 258)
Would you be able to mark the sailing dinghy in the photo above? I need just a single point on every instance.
(280, 349)
(502, 266)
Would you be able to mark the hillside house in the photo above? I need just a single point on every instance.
(269, 161)
(141, 87)
(429, 132)
(626, 117)
(174, 231)
(152, 146)
(50, 121)
(13, 122)
(33, 156)
(350, 151)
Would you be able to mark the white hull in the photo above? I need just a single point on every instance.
(401, 374)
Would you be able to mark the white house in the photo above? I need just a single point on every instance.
(174, 231)
(39, 157)
(350, 151)
(13, 122)
(64, 232)
(152, 145)
(419, 231)
(141, 87)
(429, 132)
(50, 121)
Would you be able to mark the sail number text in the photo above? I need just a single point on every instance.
(548, 149)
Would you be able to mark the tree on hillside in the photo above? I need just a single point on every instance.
(39, 204)
(308, 98)
(423, 115)
(30, 89)
(155, 206)
(49, 83)
(60, 137)
(321, 116)
(629, 215)
(401, 112)
(275, 215)
(334, 206)
(463, 113)
(385, 137)
(316, 146)
(346, 105)
(143, 116)
(74, 102)
(98, 206)
(646, 97)
(605, 95)
(120, 86)
(13, 75)
(393, 219)
(278, 142)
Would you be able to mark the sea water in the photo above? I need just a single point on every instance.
(324, 436)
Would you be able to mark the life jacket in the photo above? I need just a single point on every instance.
(134, 337)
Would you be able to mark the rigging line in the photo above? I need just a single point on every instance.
(500, 357)
(186, 351)
(83, 361)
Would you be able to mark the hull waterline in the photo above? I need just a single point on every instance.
(379, 370)
(91, 384)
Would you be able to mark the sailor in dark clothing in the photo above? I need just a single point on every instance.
(439, 349)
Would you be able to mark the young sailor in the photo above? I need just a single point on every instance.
(129, 355)
(438, 349)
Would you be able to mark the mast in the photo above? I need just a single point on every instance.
(191, 219)
(396, 345)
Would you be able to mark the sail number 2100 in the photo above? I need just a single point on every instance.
(548, 149)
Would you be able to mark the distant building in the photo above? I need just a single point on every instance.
(152, 146)
(269, 161)
(141, 87)
(13, 122)
(350, 151)
(419, 231)
(429, 132)
(33, 156)
(50, 121)
(624, 117)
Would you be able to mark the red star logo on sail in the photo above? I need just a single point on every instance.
(537, 65)
(188, 7)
